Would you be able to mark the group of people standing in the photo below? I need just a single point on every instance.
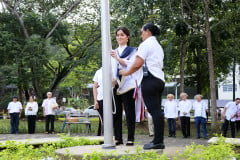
(135, 69)
(15, 109)
(174, 111)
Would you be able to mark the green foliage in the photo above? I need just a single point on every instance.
(219, 150)
(16, 151)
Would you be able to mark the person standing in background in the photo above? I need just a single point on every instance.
(31, 113)
(49, 106)
(171, 114)
(200, 108)
(229, 116)
(238, 119)
(98, 98)
(14, 112)
(185, 107)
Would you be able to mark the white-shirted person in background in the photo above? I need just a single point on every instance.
(171, 114)
(229, 116)
(185, 106)
(49, 107)
(31, 113)
(14, 111)
(149, 58)
(98, 97)
(200, 108)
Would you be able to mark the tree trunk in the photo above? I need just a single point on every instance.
(182, 62)
(234, 78)
(211, 68)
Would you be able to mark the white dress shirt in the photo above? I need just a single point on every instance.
(152, 53)
(231, 110)
(170, 109)
(47, 104)
(14, 107)
(33, 106)
(185, 106)
(200, 109)
(127, 82)
(98, 78)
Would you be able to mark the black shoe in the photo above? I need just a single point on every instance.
(154, 146)
(130, 143)
(198, 137)
(174, 136)
(117, 143)
(185, 137)
(170, 136)
(151, 135)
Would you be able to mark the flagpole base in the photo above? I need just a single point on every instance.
(108, 146)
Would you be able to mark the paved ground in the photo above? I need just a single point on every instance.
(172, 144)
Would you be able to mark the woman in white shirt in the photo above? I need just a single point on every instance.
(124, 86)
(98, 97)
(171, 114)
(185, 107)
(31, 113)
(150, 55)
(49, 107)
(200, 109)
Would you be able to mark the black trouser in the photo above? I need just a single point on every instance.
(31, 123)
(50, 119)
(225, 128)
(128, 102)
(100, 111)
(152, 89)
(14, 123)
(185, 125)
(238, 125)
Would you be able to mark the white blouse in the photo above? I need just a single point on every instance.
(31, 108)
(152, 53)
(127, 82)
(200, 109)
(185, 106)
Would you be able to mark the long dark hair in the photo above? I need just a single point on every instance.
(152, 28)
(125, 31)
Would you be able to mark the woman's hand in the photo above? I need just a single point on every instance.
(114, 54)
(96, 105)
(123, 73)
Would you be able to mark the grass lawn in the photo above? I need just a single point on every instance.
(141, 128)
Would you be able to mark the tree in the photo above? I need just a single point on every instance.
(51, 48)
(214, 123)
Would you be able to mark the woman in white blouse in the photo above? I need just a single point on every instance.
(150, 57)
(185, 106)
(124, 86)
(31, 113)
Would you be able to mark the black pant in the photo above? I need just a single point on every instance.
(14, 123)
(238, 125)
(225, 128)
(185, 125)
(128, 102)
(50, 119)
(31, 123)
(152, 89)
(100, 110)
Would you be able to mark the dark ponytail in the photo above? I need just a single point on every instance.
(152, 28)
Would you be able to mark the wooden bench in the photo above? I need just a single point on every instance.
(76, 118)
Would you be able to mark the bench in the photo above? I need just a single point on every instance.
(76, 118)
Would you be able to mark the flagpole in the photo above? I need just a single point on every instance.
(107, 80)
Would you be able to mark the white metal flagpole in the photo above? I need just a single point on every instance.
(107, 76)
